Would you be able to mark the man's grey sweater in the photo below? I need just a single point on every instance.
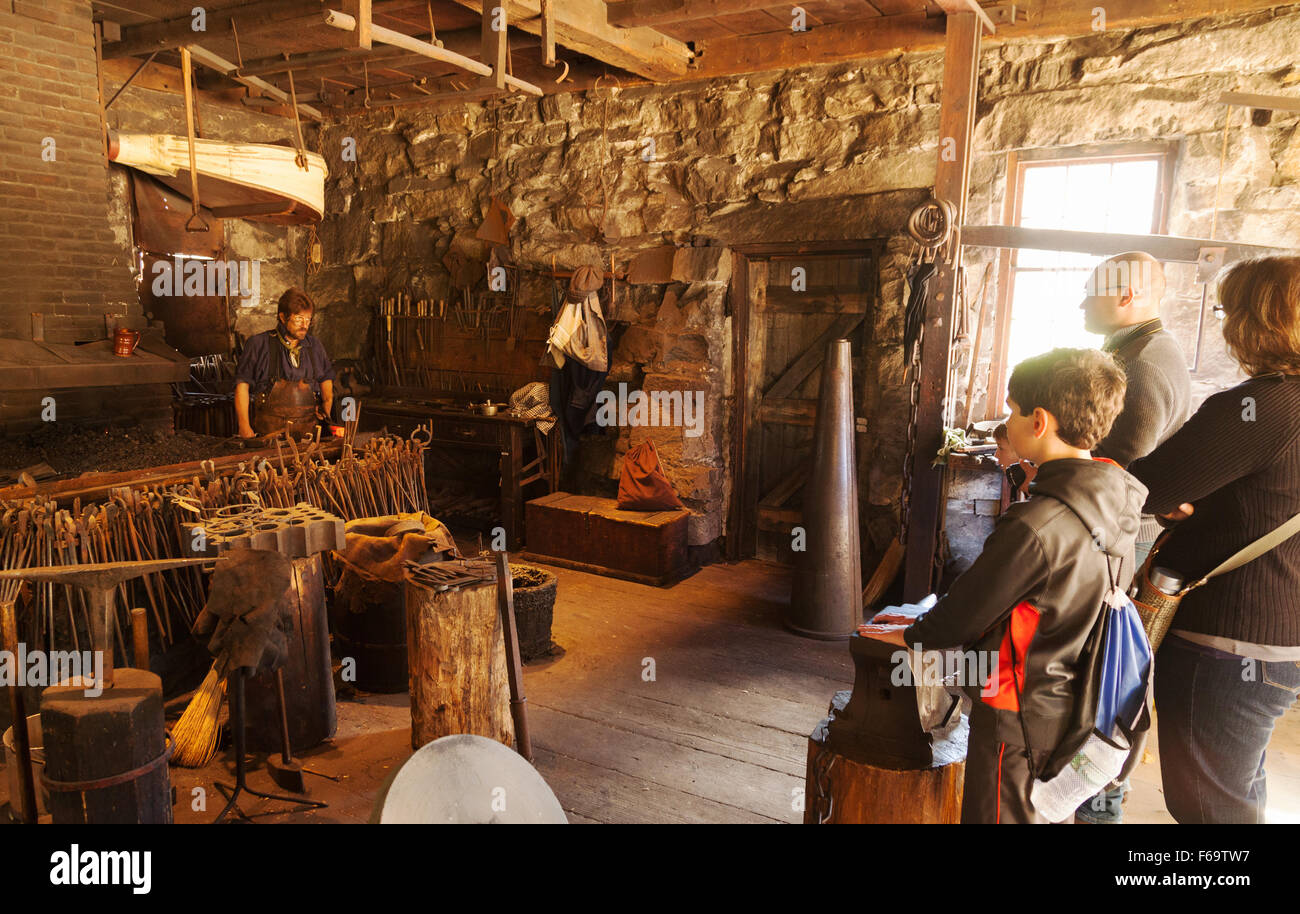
(1156, 403)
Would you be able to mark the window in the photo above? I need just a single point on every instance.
(1040, 291)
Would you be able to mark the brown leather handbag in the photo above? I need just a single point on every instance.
(643, 485)
(1157, 608)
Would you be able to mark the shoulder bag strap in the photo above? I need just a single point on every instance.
(1253, 551)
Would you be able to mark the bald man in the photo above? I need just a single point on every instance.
(1122, 301)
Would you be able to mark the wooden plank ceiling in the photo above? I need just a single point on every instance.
(610, 41)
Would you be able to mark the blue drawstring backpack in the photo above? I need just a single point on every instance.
(1113, 701)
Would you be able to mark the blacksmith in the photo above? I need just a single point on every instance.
(286, 373)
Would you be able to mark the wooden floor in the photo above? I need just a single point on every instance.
(681, 704)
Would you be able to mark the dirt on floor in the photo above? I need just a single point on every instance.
(71, 452)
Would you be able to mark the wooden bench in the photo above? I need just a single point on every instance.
(591, 534)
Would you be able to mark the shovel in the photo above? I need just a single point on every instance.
(285, 771)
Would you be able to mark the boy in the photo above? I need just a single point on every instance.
(1035, 591)
(1019, 474)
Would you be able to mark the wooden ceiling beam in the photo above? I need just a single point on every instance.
(221, 65)
(651, 13)
(581, 25)
(170, 34)
(863, 38)
(968, 6)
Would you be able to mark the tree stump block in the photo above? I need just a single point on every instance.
(308, 672)
(457, 657)
(102, 737)
(842, 791)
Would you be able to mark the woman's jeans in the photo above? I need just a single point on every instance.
(1216, 713)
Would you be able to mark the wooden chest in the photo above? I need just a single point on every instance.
(592, 534)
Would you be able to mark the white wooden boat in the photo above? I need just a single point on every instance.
(254, 181)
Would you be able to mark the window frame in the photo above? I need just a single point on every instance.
(1019, 161)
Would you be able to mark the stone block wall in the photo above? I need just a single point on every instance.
(822, 153)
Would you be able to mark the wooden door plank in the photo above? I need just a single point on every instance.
(812, 357)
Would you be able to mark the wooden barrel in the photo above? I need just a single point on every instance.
(842, 791)
(308, 673)
(105, 758)
(370, 630)
(457, 657)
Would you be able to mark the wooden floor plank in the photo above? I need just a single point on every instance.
(706, 775)
(591, 793)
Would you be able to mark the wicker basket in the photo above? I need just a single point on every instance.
(534, 591)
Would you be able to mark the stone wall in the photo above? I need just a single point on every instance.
(824, 153)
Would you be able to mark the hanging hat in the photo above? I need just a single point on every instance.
(585, 280)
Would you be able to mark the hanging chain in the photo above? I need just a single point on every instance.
(914, 400)
(821, 775)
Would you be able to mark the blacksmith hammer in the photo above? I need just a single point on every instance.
(285, 771)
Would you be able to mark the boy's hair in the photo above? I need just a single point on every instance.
(1000, 434)
(1083, 389)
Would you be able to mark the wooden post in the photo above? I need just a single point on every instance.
(956, 124)
(308, 673)
(140, 638)
(548, 33)
(91, 739)
(457, 655)
(495, 44)
(359, 10)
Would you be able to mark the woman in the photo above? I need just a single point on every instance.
(1230, 666)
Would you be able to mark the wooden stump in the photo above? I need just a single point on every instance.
(308, 673)
(860, 794)
(457, 657)
(92, 738)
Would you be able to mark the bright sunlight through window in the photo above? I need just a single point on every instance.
(1047, 286)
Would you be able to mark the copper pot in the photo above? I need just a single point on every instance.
(125, 341)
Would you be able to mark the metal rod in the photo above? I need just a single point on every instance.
(343, 21)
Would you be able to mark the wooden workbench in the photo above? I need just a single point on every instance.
(459, 428)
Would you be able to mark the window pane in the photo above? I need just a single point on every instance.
(1046, 314)
(1132, 197)
(1087, 197)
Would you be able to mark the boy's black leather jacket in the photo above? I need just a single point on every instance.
(1041, 580)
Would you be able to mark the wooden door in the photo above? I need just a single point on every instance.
(796, 304)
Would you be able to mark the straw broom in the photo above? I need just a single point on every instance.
(194, 738)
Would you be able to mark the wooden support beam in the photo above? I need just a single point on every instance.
(548, 33)
(968, 6)
(1269, 102)
(360, 10)
(952, 181)
(580, 25)
(1167, 248)
(170, 34)
(912, 32)
(495, 25)
(221, 65)
(837, 43)
(632, 13)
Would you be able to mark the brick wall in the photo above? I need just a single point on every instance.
(58, 254)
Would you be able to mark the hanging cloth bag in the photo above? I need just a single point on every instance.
(643, 485)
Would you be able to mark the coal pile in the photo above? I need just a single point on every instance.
(73, 451)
